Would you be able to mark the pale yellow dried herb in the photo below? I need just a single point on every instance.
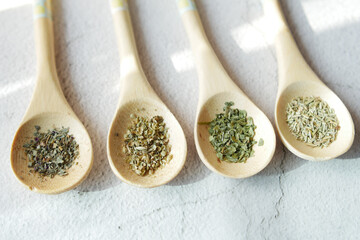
(311, 120)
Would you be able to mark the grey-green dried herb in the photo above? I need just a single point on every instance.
(312, 121)
(146, 144)
(232, 134)
(51, 153)
(261, 142)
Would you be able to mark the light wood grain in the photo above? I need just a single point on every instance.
(49, 109)
(136, 94)
(296, 78)
(216, 88)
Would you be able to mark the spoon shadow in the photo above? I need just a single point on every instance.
(101, 176)
(194, 170)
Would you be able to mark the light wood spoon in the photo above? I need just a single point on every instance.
(216, 88)
(49, 109)
(297, 79)
(137, 97)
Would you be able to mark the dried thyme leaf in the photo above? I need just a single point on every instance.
(232, 135)
(51, 153)
(146, 144)
(312, 121)
(261, 142)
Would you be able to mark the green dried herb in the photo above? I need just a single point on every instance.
(51, 153)
(232, 134)
(311, 120)
(261, 142)
(146, 144)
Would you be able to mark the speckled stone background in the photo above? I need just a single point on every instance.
(290, 199)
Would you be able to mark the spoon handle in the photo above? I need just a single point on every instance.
(212, 75)
(292, 66)
(133, 79)
(44, 36)
(47, 96)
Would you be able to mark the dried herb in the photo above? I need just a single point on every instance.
(232, 134)
(312, 121)
(261, 142)
(147, 144)
(51, 153)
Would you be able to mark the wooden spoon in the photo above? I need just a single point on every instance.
(297, 79)
(49, 109)
(216, 88)
(137, 97)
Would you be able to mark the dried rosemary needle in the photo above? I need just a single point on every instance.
(312, 121)
(146, 144)
(232, 134)
(51, 153)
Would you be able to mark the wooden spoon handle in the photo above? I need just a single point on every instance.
(44, 37)
(47, 96)
(212, 75)
(291, 64)
(133, 80)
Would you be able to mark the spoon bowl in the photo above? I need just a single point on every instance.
(297, 79)
(76, 174)
(49, 109)
(216, 88)
(137, 97)
(345, 136)
(145, 107)
(264, 130)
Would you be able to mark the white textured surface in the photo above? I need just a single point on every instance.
(290, 199)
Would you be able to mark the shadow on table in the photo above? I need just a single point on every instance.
(101, 176)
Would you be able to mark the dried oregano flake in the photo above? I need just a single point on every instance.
(51, 153)
(232, 134)
(312, 121)
(146, 144)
